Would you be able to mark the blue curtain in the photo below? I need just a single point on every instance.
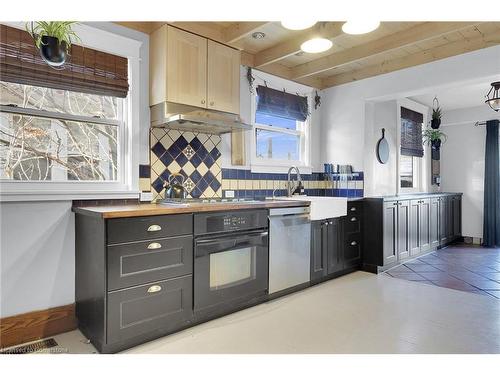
(491, 221)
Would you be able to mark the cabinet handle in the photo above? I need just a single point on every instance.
(326, 224)
(354, 243)
(395, 204)
(353, 209)
(154, 228)
(154, 288)
(353, 218)
(154, 245)
(212, 104)
(202, 101)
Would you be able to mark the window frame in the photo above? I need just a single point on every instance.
(420, 165)
(278, 165)
(128, 148)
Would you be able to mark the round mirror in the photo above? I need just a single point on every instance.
(383, 149)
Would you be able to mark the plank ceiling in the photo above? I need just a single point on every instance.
(393, 46)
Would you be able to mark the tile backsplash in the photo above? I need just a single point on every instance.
(197, 157)
(194, 155)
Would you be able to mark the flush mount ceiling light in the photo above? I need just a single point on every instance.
(258, 35)
(298, 24)
(316, 45)
(360, 27)
(493, 96)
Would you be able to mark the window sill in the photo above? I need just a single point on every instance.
(65, 195)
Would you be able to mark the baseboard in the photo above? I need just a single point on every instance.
(36, 325)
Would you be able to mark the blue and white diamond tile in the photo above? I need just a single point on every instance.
(195, 155)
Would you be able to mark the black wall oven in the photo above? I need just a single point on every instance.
(231, 264)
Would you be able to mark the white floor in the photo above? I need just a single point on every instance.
(357, 313)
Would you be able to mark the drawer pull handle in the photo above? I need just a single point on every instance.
(353, 209)
(154, 245)
(154, 228)
(353, 218)
(354, 243)
(154, 288)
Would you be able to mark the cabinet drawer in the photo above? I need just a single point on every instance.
(353, 222)
(148, 227)
(147, 261)
(352, 249)
(164, 305)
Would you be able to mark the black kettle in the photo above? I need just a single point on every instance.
(174, 190)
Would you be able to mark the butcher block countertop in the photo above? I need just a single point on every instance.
(151, 209)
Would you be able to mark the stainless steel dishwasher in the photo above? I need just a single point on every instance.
(289, 247)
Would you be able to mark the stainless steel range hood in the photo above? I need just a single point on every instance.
(187, 118)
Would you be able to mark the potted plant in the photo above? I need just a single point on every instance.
(434, 138)
(53, 39)
(436, 117)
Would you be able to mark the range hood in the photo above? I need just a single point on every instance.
(187, 118)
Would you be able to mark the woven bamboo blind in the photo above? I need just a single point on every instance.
(411, 133)
(86, 70)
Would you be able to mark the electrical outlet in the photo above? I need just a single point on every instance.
(146, 196)
(229, 193)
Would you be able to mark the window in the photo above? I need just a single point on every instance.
(278, 140)
(57, 135)
(411, 151)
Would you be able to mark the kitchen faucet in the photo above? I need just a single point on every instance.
(292, 186)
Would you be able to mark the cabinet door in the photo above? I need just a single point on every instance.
(334, 246)
(390, 232)
(424, 219)
(457, 216)
(414, 227)
(434, 223)
(403, 237)
(223, 78)
(186, 68)
(449, 219)
(443, 221)
(318, 250)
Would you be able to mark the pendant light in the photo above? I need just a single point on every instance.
(360, 27)
(300, 24)
(493, 96)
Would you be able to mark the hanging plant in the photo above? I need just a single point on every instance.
(434, 138)
(436, 114)
(53, 39)
(250, 79)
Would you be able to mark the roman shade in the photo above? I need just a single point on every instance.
(86, 70)
(411, 133)
(281, 104)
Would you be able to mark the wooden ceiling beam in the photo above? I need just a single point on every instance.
(459, 47)
(418, 33)
(239, 30)
(291, 46)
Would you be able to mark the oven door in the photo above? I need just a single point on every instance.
(230, 270)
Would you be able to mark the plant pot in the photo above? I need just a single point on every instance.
(435, 149)
(53, 52)
(435, 122)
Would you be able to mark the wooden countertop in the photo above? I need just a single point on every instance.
(150, 209)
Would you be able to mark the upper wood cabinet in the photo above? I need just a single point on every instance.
(223, 78)
(188, 69)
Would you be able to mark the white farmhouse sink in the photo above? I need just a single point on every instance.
(322, 207)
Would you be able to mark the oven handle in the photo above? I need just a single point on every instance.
(233, 241)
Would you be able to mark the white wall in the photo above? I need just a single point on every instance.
(344, 110)
(37, 256)
(462, 163)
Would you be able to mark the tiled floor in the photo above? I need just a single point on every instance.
(356, 313)
(468, 268)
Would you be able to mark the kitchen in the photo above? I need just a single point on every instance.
(201, 178)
